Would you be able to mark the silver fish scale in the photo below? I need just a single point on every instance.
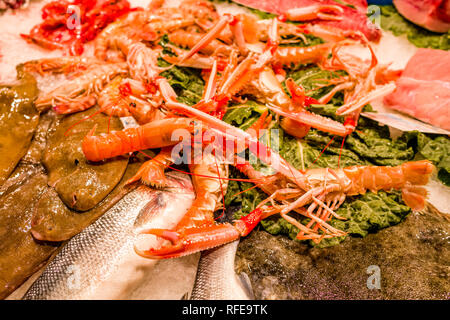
(78, 269)
(65, 277)
(216, 279)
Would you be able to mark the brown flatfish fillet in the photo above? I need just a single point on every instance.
(81, 184)
(18, 121)
(20, 254)
(54, 221)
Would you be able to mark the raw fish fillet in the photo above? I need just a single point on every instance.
(433, 15)
(423, 90)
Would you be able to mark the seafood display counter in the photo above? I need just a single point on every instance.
(194, 149)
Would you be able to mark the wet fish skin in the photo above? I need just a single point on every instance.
(85, 262)
(54, 221)
(18, 121)
(20, 254)
(216, 278)
(413, 258)
(79, 183)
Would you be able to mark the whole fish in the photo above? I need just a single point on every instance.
(80, 184)
(100, 262)
(216, 279)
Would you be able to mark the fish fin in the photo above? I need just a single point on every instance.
(151, 209)
(185, 296)
(244, 281)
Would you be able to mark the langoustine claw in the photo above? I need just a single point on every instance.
(198, 230)
(192, 240)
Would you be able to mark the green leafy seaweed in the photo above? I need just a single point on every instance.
(435, 148)
(371, 145)
(363, 214)
(187, 82)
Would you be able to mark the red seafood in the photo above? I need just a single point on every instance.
(327, 188)
(155, 134)
(327, 12)
(70, 24)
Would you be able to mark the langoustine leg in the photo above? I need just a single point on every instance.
(198, 230)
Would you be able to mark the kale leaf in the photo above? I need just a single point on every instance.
(435, 148)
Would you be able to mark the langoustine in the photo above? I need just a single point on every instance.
(79, 93)
(244, 65)
(326, 193)
(321, 189)
(325, 190)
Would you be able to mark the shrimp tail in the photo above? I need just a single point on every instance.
(414, 197)
(408, 177)
(418, 173)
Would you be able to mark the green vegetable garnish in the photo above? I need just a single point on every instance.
(435, 148)
(187, 82)
(370, 144)
(366, 213)
(345, 4)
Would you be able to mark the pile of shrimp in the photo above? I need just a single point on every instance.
(239, 55)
